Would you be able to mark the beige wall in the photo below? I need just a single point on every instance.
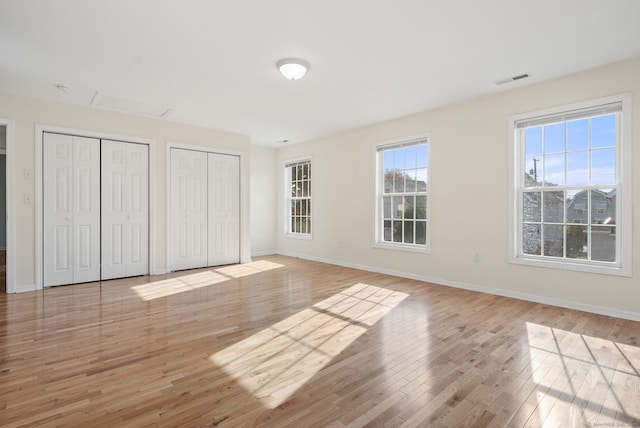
(469, 190)
(263, 200)
(469, 197)
(29, 112)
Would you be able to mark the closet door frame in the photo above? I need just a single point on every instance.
(244, 246)
(10, 127)
(38, 199)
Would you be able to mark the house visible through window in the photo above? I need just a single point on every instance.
(402, 218)
(298, 188)
(569, 182)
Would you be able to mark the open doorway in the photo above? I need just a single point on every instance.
(3, 209)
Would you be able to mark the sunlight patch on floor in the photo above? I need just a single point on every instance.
(574, 372)
(238, 271)
(275, 362)
(179, 284)
(193, 281)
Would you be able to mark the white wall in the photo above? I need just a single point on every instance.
(27, 112)
(469, 194)
(264, 179)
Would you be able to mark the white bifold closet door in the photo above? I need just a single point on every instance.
(205, 209)
(71, 216)
(189, 208)
(224, 209)
(125, 209)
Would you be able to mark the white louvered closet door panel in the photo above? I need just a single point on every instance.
(125, 209)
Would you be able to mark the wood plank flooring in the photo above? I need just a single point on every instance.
(284, 342)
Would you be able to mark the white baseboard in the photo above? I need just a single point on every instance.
(24, 288)
(264, 253)
(600, 310)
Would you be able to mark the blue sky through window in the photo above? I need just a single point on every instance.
(604, 131)
(578, 134)
(560, 152)
(554, 138)
(410, 161)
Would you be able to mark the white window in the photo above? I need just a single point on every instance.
(298, 198)
(571, 193)
(402, 215)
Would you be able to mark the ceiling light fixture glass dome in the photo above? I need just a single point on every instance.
(293, 68)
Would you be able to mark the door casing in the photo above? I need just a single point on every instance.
(9, 125)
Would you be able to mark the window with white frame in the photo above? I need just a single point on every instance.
(571, 195)
(298, 199)
(402, 218)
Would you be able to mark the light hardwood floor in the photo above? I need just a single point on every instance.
(287, 342)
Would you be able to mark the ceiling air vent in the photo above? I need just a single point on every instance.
(512, 79)
(129, 106)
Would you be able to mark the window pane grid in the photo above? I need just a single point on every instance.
(299, 183)
(568, 195)
(575, 154)
(404, 193)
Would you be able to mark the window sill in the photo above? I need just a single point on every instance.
(424, 249)
(302, 236)
(589, 267)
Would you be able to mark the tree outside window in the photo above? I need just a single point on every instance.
(403, 196)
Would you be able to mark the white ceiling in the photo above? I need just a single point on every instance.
(213, 61)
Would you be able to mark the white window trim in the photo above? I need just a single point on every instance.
(287, 190)
(624, 161)
(378, 242)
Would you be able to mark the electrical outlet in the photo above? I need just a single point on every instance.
(476, 257)
(27, 199)
(28, 175)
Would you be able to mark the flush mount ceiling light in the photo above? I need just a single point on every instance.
(292, 68)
